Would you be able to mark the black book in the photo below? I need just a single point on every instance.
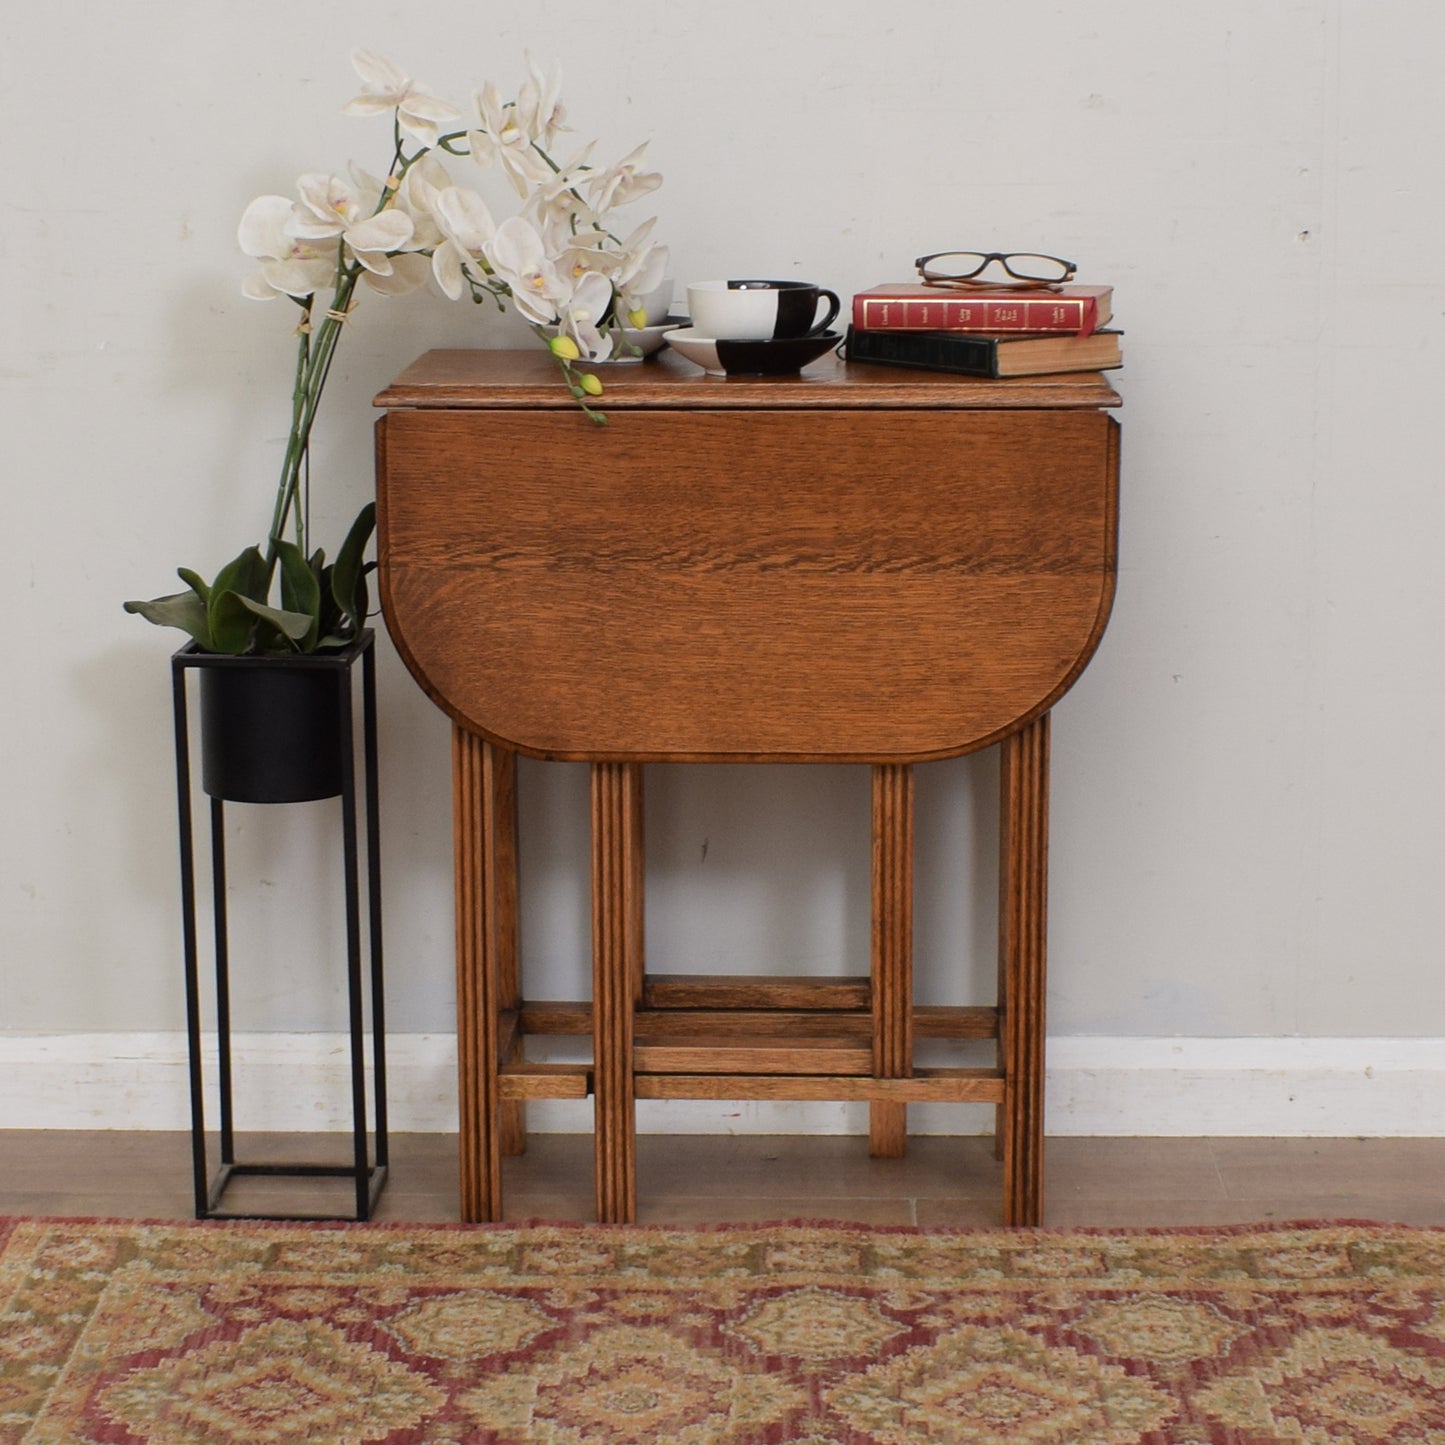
(970, 355)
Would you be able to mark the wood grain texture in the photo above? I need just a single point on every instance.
(955, 1021)
(703, 1180)
(481, 816)
(892, 951)
(512, 1116)
(563, 1018)
(527, 380)
(752, 991)
(934, 1086)
(689, 1023)
(518, 1082)
(636, 859)
(723, 1054)
(1022, 932)
(884, 585)
(616, 951)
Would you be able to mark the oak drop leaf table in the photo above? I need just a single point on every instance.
(856, 564)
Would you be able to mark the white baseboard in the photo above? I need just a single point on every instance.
(1096, 1086)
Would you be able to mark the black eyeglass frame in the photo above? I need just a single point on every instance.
(986, 259)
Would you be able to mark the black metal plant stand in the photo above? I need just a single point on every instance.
(308, 699)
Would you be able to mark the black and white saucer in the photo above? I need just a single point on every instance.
(774, 356)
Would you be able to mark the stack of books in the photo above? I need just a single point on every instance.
(985, 332)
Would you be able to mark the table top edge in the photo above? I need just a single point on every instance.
(490, 380)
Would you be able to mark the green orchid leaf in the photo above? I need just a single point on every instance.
(181, 609)
(348, 585)
(241, 580)
(363, 594)
(196, 583)
(245, 575)
(232, 623)
(241, 624)
(354, 618)
(300, 591)
(329, 617)
(293, 626)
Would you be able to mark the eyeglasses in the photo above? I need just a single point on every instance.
(1024, 269)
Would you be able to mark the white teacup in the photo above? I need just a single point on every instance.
(759, 310)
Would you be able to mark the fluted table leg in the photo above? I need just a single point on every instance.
(511, 1113)
(617, 872)
(1023, 896)
(484, 846)
(892, 951)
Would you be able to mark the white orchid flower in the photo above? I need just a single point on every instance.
(633, 267)
(417, 195)
(575, 256)
(503, 140)
(641, 266)
(555, 205)
(329, 207)
(467, 227)
(622, 183)
(632, 246)
(644, 277)
(582, 313)
(384, 87)
(517, 255)
(408, 272)
(374, 241)
(542, 112)
(380, 197)
(557, 235)
(289, 266)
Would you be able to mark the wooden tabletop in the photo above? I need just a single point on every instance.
(531, 379)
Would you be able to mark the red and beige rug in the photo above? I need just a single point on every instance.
(270, 1334)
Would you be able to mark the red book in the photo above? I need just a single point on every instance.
(1077, 310)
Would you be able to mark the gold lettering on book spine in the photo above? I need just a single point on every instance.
(902, 313)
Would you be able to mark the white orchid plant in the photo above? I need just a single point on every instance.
(560, 260)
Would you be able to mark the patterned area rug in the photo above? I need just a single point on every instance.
(270, 1334)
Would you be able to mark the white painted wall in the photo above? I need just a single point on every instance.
(1248, 780)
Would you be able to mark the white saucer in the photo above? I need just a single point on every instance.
(648, 340)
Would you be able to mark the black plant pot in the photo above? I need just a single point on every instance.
(271, 728)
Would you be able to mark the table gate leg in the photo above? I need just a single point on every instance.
(485, 913)
(1023, 894)
(512, 1113)
(892, 951)
(617, 869)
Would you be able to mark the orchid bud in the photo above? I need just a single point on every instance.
(637, 319)
(564, 347)
(590, 384)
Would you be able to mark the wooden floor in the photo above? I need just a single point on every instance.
(695, 1180)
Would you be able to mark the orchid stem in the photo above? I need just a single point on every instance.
(314, 353)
